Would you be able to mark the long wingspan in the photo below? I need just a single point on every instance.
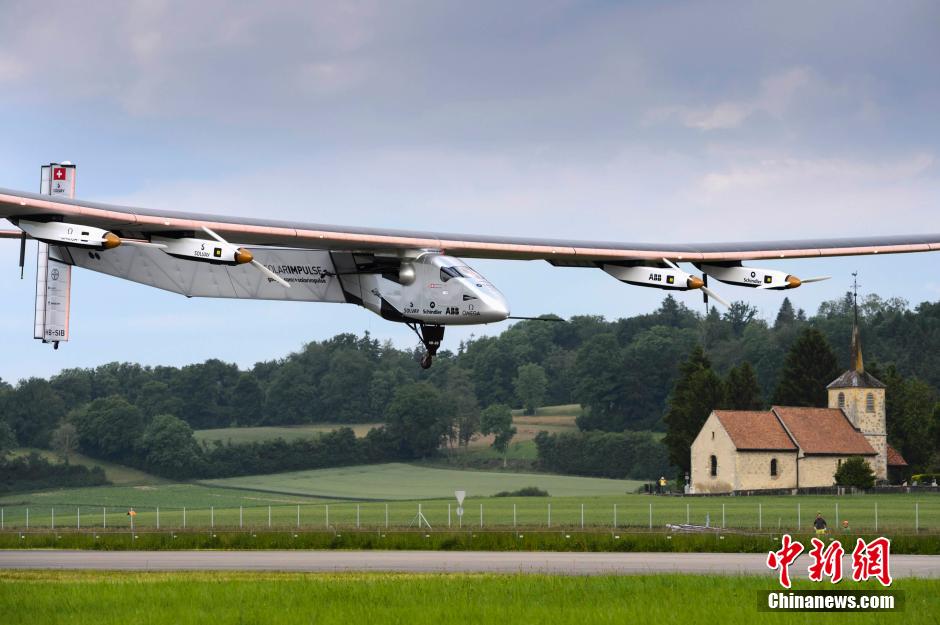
(139, 222)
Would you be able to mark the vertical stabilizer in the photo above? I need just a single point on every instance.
(53, 277)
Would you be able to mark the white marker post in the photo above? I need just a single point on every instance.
(460, 495)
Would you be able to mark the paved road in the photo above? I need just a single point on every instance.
(430, 561)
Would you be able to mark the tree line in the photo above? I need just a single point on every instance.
(623, 372)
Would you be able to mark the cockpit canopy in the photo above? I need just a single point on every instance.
(459, 271)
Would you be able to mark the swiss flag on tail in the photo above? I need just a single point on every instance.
(58, 173)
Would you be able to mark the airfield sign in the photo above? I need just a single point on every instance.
(460, 494)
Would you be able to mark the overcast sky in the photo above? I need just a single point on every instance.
(684, 121)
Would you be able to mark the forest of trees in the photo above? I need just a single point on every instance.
(623, 372)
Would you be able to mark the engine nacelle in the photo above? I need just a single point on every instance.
(753, 277)
(656, 277)
(71, 235)
(203, 250)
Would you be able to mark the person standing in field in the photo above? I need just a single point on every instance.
(662, 484)
(820, 524)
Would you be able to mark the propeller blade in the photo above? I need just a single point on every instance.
(270, 274)
(159, 246)
(215, 236)
(816, 279)
(715, 296)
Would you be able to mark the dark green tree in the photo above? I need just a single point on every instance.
(598, 382)
(417, 419)
(531, 384)
(739, 315)
(697, 392)
(248, 401)
(169, 448)
(786, 315)
(809, 367)
(109, 428)
(64, 441)
(464, 409)
(156, 398)
(33, 409)
(496, 419)
(909, 413)
(856, 472)
(742, 392)
(344, 387)
(7, 439)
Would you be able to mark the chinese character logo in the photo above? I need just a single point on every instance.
(826, 562)
(869, 560)
(782, 559)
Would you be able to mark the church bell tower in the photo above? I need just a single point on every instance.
(861, 396)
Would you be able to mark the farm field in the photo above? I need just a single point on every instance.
(562, 410)
(552, 419)
(182, 598)
(235, 508)
(117, 474)
(287, 432)
(398, 481)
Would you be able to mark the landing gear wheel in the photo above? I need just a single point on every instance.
(431, 337)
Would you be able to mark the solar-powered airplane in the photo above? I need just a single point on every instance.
(416, 278)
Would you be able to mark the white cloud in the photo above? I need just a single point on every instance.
(777, 96)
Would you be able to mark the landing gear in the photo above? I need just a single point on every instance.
(431, 337)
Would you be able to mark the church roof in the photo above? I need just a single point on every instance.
(895, 459)
(755, 430)
(823, 431)
(856, 377)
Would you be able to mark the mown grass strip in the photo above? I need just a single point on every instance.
(105, 598)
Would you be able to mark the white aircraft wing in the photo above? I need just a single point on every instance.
(133, 222)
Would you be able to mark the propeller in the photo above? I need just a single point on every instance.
(793, 282)
(244, 254)
(705, 290)
(140, 243)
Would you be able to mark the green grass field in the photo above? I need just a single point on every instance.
(233, 508)
(103, 598)
(117, 474)
(561, 410)
(397, 481)
(287, 432)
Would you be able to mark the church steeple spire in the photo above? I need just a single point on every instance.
(855, 376)
(858, 365)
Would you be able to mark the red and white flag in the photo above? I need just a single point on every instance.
(58, 173)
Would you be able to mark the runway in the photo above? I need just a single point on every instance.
(572, 563)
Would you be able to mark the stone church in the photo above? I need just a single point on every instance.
(789, 447)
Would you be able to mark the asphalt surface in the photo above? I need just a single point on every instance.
(573, 563)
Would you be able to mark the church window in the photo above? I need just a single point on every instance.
(714, 466)
(870, 402)
(773, 467)
(841, 400)
(713, 435)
